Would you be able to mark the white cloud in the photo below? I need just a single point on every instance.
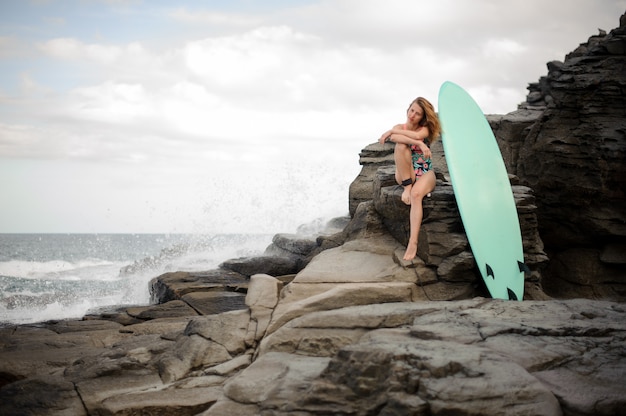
(68, 48)
(495, 48)
(215, 18)
(268, 108)
(110, 103)
(9, 46)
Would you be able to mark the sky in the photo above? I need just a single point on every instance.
(240, 116)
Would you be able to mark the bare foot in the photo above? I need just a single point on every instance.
(411, 251)
(406, 195)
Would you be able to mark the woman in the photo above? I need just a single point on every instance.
(413, 164)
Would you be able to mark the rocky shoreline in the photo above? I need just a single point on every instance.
(353, 332)
(338, 324)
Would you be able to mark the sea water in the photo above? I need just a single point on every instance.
(61, 276)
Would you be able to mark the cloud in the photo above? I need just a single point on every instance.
(313, 79)
(186, 109)
(108, 55)
(111, 102)
(68, 48)
(230, 20)
(13, 47)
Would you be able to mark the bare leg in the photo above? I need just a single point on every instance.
(404, 169)
(422, 187)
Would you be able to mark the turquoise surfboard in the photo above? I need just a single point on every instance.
(483, 193)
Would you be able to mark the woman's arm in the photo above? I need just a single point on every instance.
(419, 134)
(400, 135)
(386, 136)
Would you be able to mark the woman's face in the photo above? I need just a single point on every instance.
(415, 113)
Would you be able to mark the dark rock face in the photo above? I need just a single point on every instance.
(573, 157)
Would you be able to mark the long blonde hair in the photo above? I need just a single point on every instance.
(429, 119)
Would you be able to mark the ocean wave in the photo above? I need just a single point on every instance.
(201, 253)
(24, 311)
(33, 291)
(55, 269)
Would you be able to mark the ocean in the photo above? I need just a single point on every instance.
(62, 276)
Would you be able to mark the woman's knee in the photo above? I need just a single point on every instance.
(422, 187)
(401, 148)
(417, 194)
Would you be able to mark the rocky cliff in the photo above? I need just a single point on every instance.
(338, 324)
(572, 153)
(567, 146)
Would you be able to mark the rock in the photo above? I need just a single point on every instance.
(509, 128)
(295, 244)
(165, 327)
(371, 158)
(614, 254)
(442, 236)
(578, 272)
(366, 222)
(572, 156)
(30, 350)
(227, 329)
(274, 380)
(95, 392)
(272, 265)
(483, 356)
(207, 303)
(305, 298)
(229, 367)
(173, 286)
(43, 395)
(190, 353)
(484, 381)
(171, 401)
(64, 327)
(262, 298)
(174, 308)
(357, 261)
(227, 407)
(115, 314)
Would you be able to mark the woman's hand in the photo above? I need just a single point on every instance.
(384, 137)
(425, 150)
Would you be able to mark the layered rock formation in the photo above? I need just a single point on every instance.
(444, 253)
(572, 156)
(337, 323)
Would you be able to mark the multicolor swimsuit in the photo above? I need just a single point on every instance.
(421, 165)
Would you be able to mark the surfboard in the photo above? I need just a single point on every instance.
(483, 193)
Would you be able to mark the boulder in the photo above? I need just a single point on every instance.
(262, 298)
(275, 265)
(173, 286)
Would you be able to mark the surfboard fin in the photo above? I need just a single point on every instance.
(523, 267)
(490, 271)
(512, 295)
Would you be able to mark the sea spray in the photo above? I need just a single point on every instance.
(62, 276)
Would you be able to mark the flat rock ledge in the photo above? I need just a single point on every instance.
(471, 357)
(352, 333)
